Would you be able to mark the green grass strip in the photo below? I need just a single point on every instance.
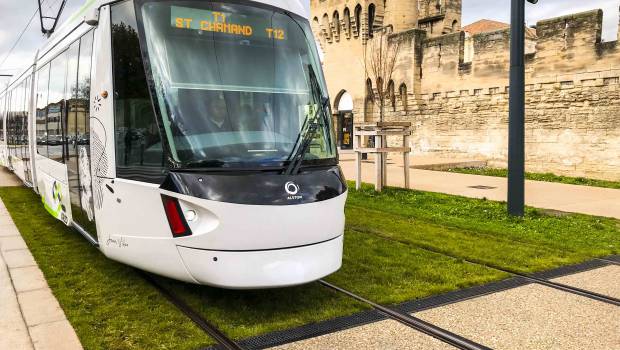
(247, 313)
(547, 177)
(482, 248)
(107, 303)
(391, 272)
(394, 252)
(584, 235)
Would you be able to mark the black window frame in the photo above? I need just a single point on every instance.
(138, 172)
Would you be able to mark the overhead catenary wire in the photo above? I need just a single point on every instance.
(21, 34)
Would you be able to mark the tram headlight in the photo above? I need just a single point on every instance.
(190, 215)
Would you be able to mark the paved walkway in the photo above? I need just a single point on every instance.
(548, 195)
(529, 317)
(30, 316)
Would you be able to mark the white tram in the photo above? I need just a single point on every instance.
(188, 138)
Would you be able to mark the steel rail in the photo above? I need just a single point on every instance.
(613, 262)
(570, 289)
(414, 322)
(222, 339)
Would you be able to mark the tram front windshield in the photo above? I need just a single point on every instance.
(234, 84)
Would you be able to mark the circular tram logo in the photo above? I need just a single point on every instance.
(291, 188)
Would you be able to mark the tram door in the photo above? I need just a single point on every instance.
(345, 130)
(77, 144)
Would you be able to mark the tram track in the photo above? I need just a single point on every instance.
(531, 278)
(444, 335)
(224, 342)
(612, 262)
(413, 322)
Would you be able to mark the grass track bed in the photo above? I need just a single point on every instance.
(396, 247)
(243, 314)
(389, 272)
(579, 236)
(109, 304)
(483, 248)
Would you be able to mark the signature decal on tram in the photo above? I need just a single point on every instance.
(120, 243)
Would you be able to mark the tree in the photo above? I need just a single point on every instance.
(380, 63)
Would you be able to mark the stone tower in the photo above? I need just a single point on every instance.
(438, 17)
(402, 15)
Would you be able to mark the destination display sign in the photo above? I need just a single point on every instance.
(223, 22)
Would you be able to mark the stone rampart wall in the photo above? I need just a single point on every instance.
(572, 127)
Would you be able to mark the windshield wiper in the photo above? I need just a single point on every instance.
(201, 164)
(312, 125)
(218, 166)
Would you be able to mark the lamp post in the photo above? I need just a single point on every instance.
(516, 120)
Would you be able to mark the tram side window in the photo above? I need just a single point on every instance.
(83, 90)
(9, 118)
(56, 111)
(69, 122)
(11, 123)
(24, 122)
(18, 120)
(16, 106)
(138, 141)
(2, 113)
(13, 115)
(42, 86)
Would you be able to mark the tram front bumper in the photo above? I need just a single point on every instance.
(263, 268)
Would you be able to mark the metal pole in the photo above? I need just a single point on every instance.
(516, 123)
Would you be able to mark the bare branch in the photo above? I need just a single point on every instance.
(380, 65)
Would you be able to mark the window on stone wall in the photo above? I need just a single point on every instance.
(369, 91)
(371, 19)
(336, 24)
(391, 95)
(455, 26)
(347, 22)
(402, 90)
(325, 27)
(358, 20)
(369, 103)
(316, 26)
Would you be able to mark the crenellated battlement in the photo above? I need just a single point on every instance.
(568, 45)
(336, 21)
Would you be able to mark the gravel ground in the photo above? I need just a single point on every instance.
(532, 317)
(605, 280)
(385, 335)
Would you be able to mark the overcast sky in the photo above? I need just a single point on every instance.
(15, 14)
